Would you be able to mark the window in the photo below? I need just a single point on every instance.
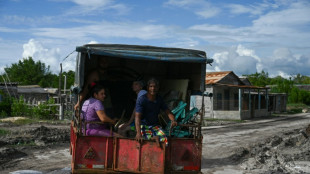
(219, 101)
(236, 100)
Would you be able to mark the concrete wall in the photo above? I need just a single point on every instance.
(234, 115)
(208, 103)
(245, 115)
(261, 113)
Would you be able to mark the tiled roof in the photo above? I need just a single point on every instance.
(214, 77)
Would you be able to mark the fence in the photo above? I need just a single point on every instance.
(57, 110)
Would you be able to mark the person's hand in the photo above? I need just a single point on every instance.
(77, 106)
(173, 123)
(115, 120)
(139, 137)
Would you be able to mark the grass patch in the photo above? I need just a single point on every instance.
(24, 144)
(26, 121)
(3, 132)
(295, 108)
(228, 120)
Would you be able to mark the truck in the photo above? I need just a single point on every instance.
(181, 73)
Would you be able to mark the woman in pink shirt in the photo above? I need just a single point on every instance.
(93, 110)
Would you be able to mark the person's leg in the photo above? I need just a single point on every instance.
(158, 132)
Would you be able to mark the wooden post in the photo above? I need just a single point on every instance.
(61, 113)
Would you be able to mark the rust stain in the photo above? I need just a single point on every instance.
(214, 77)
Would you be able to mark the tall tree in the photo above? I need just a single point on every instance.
(259, 79)
(29, 72)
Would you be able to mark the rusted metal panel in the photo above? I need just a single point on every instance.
(93, 152)
(126, 155)
(184, 155)
(132, 156)
(152, 157)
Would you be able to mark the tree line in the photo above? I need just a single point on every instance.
(279, 84)
(29, 72)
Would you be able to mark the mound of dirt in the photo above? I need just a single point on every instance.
(25, 139)
(286, 153)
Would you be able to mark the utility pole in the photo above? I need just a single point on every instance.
(61, 108)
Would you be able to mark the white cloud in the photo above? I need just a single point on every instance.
(93, 42)
(37, 51)
(284, 22)
(93, 7)
(201, 8)
(209, 13)
(240, 9)
(238, 59)
(31, 21)
(108, 30)
(285, 63)
(93, 3)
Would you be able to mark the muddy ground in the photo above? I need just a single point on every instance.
(280, 145)
(42, 147)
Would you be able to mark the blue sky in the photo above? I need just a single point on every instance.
(241, 36)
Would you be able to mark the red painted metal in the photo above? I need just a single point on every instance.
(110, 154)
(184, 154)
(145, 157)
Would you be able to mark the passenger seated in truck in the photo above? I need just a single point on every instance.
(94, 75)
(148, 107)
(137, 87)
(94, 111)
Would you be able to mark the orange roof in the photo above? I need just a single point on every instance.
(214, 77)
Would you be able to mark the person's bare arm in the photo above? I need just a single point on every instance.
(171, 117)
(92, 77)
(138, 126)
(132, 116)
(104, 117)
(122, 126)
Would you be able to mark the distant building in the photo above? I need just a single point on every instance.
(305, 87)
(34, 93)
(229, 97)
(8, 89)
(277, 102)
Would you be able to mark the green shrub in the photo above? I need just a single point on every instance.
(19, 107)
(45, 110)
(41, 111)
(5, 104)
(3, 132)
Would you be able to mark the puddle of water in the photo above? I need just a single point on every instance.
(26, 172)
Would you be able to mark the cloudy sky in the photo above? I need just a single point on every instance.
(244, 36)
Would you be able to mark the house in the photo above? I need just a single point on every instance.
(277, 102)
(34, 93)
(228, 97)
(8, 89)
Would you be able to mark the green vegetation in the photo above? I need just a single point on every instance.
(42, 111)
(294, 108)
(29, 72)
(281, 85)
(5, 105)
(3, 132)
(23, 144)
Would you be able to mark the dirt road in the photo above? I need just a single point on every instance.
(232, 148)
(223, 145)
